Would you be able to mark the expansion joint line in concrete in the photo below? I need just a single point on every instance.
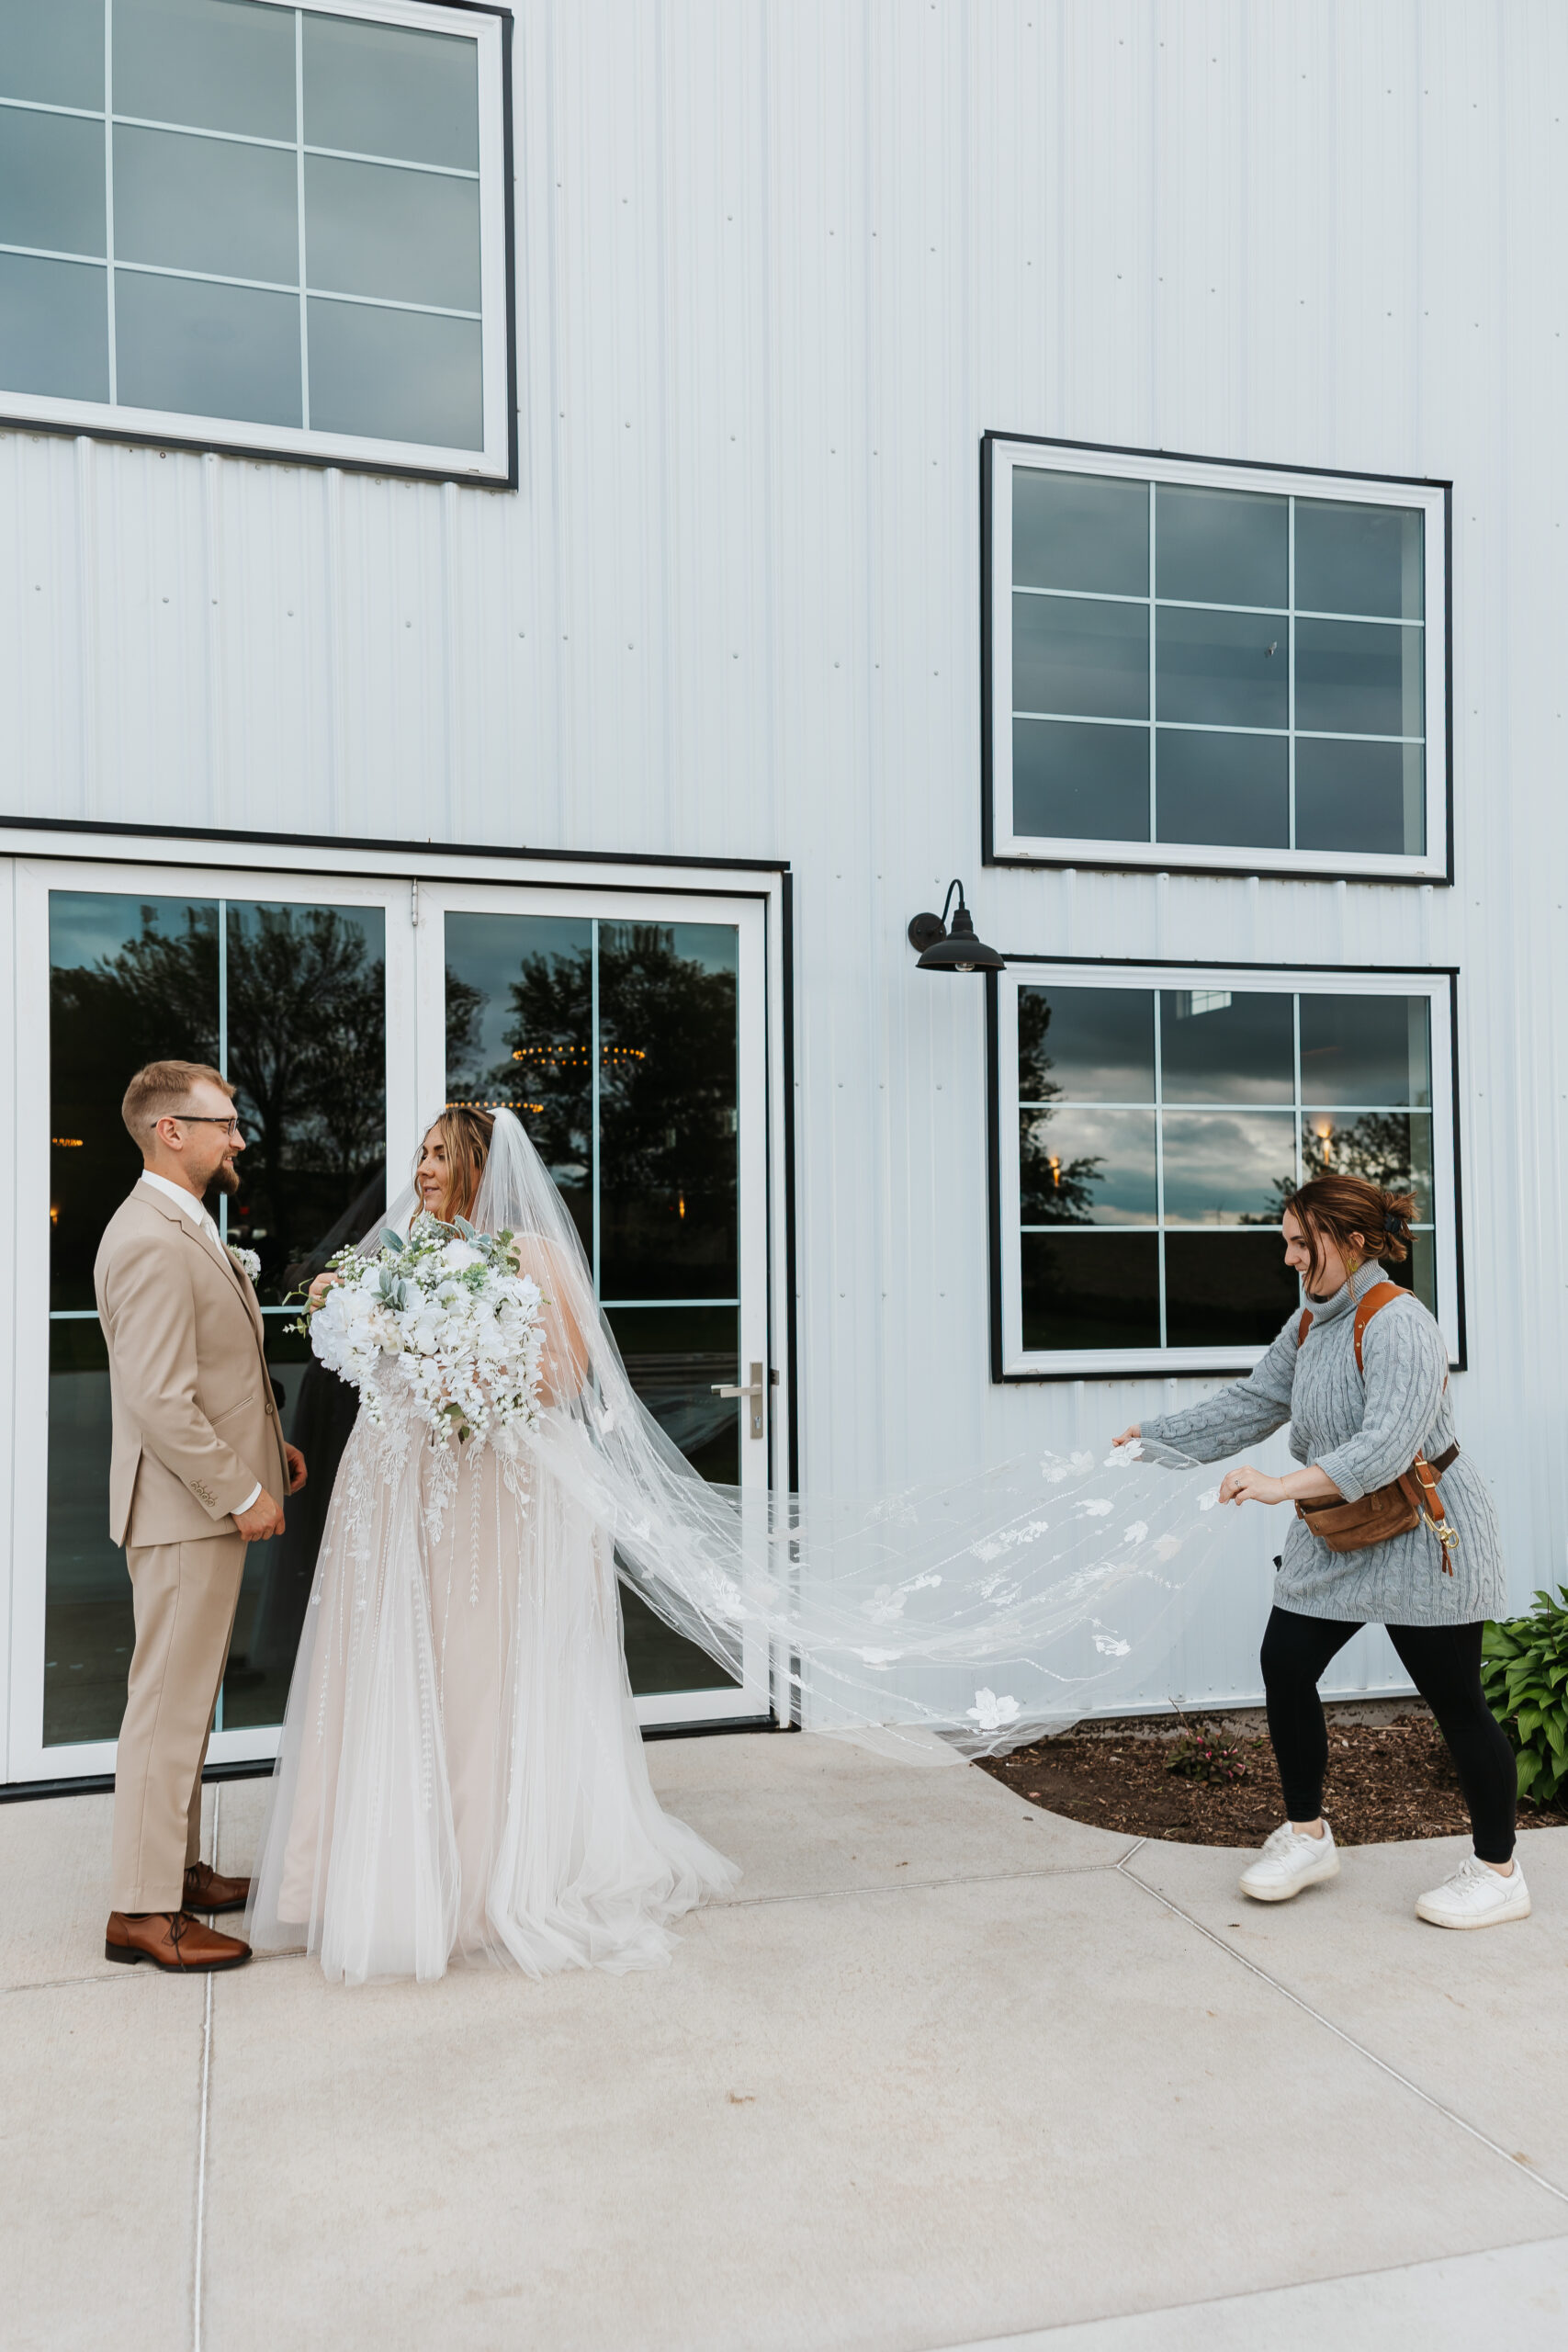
(914, 1885)
(1416, 2091)
(199, 2251)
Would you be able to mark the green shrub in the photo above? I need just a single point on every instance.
(1208, 1755)
(1524, 1670)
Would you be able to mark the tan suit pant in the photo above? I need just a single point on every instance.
(185, 1597)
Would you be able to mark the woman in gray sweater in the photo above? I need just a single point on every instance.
(1355, 1431)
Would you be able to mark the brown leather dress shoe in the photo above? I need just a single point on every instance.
(172, 1939)
(205, 1891)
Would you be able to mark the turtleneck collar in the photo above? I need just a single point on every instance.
(1349, 1295)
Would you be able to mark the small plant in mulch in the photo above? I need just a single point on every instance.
(1524, 1672)
(1211, 1756)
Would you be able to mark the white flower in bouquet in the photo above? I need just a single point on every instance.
(446, 1316)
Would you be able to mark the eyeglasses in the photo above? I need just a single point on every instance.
(205, 1119)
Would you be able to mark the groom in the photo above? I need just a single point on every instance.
(198, 1471)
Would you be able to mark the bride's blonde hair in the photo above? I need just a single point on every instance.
(465, 1132)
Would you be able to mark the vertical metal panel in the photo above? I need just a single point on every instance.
(780, 264)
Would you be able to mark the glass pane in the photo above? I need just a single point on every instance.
(318, 1411)
(519, 1032)
(206, 350)
(1366, 1049)
(1360, 795)
(132, 980)
(411, 236)
(1222, 669)
(1080, 531)
(52, 182)
(208, 204)
(1230, 789)
(374, 90)
(1228, 1166)
(54, 328)
(396, 375)
(1086, 1045)
(1222, 547)
(1080, 781)
(1091, 1290)
(1355, 559)
(1226, 1289)
(1227, 1046)
(53, 52)
(1086, 1168)
(1358, 678)
(222, 64)
(1419, 1272)
(668, 1110)
(88, 1627)
(1392, 1149)
(1072, 655)
(674, 1356)
(307, 1055)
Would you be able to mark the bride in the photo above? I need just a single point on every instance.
(461, 1774)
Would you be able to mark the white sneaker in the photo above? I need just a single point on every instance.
(1476, 1897)
(1289, 1861)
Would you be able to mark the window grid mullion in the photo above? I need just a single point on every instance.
(108, 198)
(299, 209)
(593, 1085)
(1154, 761)
(1159, 1165)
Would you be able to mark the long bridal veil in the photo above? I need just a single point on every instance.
(988, 1608)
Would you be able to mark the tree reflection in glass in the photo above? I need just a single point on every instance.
(306, 1053)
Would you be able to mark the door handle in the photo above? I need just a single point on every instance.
(756, 1393)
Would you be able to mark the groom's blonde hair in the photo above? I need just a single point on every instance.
(161, 1090)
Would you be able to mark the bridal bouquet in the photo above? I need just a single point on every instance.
(446, 1313)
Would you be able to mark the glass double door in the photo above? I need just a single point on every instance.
(627, 1035)
(626, 1030)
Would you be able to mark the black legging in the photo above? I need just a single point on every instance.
(1444, 1663)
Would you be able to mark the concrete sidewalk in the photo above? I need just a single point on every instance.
(946, 2070)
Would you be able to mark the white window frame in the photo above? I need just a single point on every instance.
(1014, 1361)
(1006, 846)
(495, 462)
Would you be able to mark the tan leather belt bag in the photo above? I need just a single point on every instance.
(1406, 1500)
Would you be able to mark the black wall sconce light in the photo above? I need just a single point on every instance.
(941, 949)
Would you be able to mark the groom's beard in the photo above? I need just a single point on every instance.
(225, 1178)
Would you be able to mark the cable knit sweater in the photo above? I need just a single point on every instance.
(1363, 1434)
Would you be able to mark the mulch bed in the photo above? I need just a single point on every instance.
(1385, 1782)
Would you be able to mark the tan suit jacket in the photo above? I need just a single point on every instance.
(194, 1423)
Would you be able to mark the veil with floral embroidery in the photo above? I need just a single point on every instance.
(988, 1608)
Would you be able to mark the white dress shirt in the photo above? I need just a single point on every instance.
(197, 1211)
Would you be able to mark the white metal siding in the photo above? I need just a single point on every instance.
(780, 264)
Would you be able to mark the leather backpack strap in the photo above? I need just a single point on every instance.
(1302, 1327)
(1381, 1295)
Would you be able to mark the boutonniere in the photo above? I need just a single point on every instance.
(246, 1260)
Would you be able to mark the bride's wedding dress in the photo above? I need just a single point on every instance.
(461, 1774)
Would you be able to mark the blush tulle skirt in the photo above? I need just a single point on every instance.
(461, 1777)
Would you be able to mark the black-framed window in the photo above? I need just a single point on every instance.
(250, 223)
(1200, 666)
(1151, 1123)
